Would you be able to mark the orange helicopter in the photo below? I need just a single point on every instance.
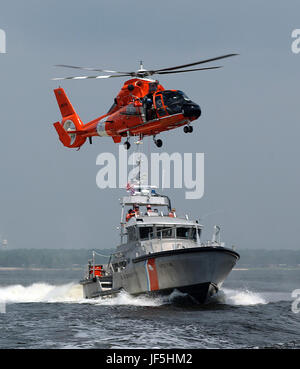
(142, 108)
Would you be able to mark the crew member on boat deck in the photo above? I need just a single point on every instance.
(149, 209)
(137, 210)
(172, 213)
(129, 215)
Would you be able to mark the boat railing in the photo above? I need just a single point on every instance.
(213, 244)
(159, 245)
(149, 246)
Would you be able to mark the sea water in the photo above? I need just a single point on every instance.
(46, 309)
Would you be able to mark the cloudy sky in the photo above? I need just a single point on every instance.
(249, 128)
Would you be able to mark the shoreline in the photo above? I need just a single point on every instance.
(82, 268)
(37, 269)
(268, 268)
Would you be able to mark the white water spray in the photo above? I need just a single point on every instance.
(41, 292)
(72, 293)
(242, 297)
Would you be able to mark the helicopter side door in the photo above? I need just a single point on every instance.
(159, 105)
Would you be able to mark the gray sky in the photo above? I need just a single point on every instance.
(249, 128)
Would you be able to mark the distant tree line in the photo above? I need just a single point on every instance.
(50, 258)
(64, 258)
(262, 258)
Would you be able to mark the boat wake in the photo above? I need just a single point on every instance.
(72, 293)
(41, 292)
(67, 293)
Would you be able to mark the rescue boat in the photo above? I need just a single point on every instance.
(160, 252)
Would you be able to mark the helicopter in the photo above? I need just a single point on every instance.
(143, 107)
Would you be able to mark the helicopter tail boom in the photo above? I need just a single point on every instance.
(71, 124)
(64, 104)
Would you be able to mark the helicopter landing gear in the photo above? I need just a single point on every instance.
(127, 145)
(157, 142)
(188, 129)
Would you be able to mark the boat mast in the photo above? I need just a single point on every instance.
(139, 161)
(93, 264)
(139, 173)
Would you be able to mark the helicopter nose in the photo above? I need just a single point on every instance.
(191, 110)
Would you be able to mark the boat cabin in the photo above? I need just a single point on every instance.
(149, 217)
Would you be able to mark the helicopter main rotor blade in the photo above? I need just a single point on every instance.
(142, 73)
(90, 77)
(191, 64)
(90, 69)
(188, 70)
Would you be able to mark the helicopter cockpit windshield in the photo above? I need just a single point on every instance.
(174, 100)
(171, 101)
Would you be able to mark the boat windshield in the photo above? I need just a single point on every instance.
(164, 232)
(187, 232)
(169, 232)
(145, 232)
